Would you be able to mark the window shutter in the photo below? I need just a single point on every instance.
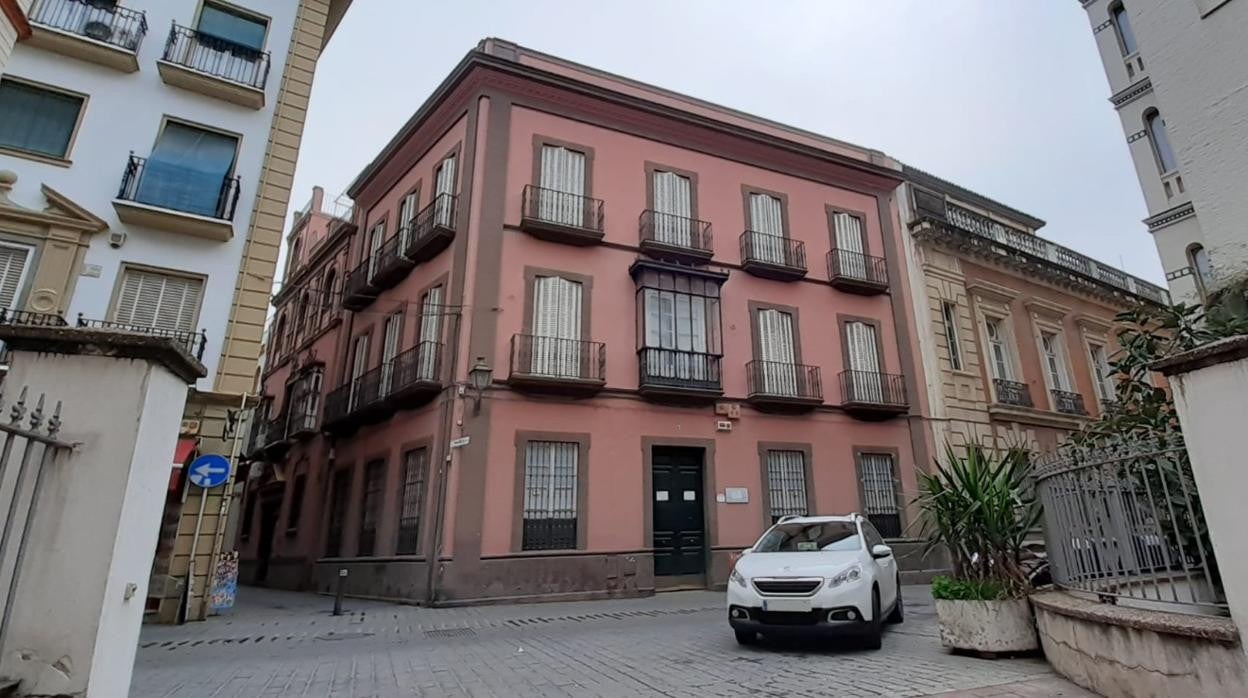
(445, 184)
(12, 274)
(786, 483)
(562, 179)
(556, 326)
(850, 246)
(550, 495)
(864, 360)
(673, 206)
(765, 214)
(430, 332)
(158, 301)
(775, 339)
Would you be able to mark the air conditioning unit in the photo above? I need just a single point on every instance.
(190, 427)
(116, 238)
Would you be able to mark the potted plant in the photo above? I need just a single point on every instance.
(979, 507)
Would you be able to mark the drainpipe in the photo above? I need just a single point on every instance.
(444, 465)
(224, 511)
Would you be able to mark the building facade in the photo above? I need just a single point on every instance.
(13, 26)
(1176, 73)
(150, 147)
(591, 338)
(1015, 333)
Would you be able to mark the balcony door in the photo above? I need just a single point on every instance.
(376, 237)
(851, 248)
(776, 351)
(998, 350)
(864, 362)
(767, 218)
(562, 181)
(1054, 361)
(359, 363)
(389, 350)
(188, 170)
(443, 190)
(673, 209)
(556, 327)
(430, 334)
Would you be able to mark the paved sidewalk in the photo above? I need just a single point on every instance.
(281, 644)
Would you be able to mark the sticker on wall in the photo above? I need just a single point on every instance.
(690, 495)
(660, 495)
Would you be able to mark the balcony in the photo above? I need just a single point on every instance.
(855, 272)
(90, 30)
(871, 395)
(389, 265)
(303, 422)
(783, 387)
(192, 342)
(215, 67)
(178, 199)
(675, 238)
(1068, 403)
(772, 256)
(431, 230)
(268, 436)
(1012, 393)
(678, 376)
(358, 290)
(560, 366)
(410, 379)
(561, 217)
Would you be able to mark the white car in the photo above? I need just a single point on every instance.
(815, 575)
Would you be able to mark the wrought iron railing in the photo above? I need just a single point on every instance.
(193, 342)
(387, 257)
(179, 188)
(561, 208)
(358, 281)
(31, 319)
(678, 369)
(1068, 402)
(420, 364)
(1125, 522)
(1012, 392)
(675, 231)
(872, 388)
(558, 358)
(783, 380)
(856, 266)
(105, 22)
(217, 56)
(441, 214)
(772, 249)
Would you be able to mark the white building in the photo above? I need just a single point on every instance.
(1178, 73)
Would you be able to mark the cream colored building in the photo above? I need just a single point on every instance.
(1178, 75)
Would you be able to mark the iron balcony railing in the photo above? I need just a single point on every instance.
(872, 388)
(561, 208)
(358, 283)
(31, 319)
(1012, 392)
(558, 358)
(179, 188)
(275, 431)
(388, 259)
(193, 342)
(441, 214)
(678, 369)
(776, 250)
(420, 364)
(675, 231)
(783, 380)
(1068, 402)
(217, 56)
(98, 20)
(856, 266)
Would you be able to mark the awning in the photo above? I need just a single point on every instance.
(182, 454)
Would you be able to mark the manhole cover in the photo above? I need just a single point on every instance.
(451, 632)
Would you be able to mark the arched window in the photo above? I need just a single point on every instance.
(301, 315)
(279, 337)
(1156, 127)
(1122, 27)
(1198, 259)
(327, 291)
(293, 263)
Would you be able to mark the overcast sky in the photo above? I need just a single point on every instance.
(1005, 97)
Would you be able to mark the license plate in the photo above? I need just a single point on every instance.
(787, 605)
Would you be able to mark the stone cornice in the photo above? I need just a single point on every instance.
(1170, 217)
(1131, 93)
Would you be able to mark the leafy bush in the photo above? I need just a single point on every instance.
(950, 589)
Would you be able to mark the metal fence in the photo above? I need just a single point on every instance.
(35, 435)
(1125, 522)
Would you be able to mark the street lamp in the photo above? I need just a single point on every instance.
(479, 377)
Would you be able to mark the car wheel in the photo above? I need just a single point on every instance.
(898, 613)
(746, 637)
(875, 629)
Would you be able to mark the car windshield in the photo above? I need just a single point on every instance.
(801, 537)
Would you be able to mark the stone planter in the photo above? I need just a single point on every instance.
(987, 626)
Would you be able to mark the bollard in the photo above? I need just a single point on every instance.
(342, 588)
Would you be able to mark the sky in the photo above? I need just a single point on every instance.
(1005, 97)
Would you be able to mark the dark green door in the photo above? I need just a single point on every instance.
(679, 524)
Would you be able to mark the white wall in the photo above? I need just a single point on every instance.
(123, 114)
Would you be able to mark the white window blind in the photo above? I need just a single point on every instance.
(375, 239)
(359, 364)
(13, 264)
(1105, 388)
(550, 501)
(949, 314)
(879, 489)
(556, 327)
(673, 209)
(850, 245)
(389, 350)
(444, 183)
(786, 483)
(767, 217)
(864, 362)
(430, 333)
(407, 211)
(562, 182)
(1053, 363)
(776, 351)
(159, 301)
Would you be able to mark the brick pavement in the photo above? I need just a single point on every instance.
(281, 644)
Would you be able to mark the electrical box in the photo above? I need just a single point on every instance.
(190, 427)
(731, 410)
(723, 425)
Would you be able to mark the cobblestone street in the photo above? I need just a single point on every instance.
(284, 644)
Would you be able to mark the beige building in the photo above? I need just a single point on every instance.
(1176, 71)
(13, 26)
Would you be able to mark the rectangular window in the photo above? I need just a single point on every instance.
(370, 507)
(295, 510)
(430, 334)
(159, 301)
(389, 350)
(851, 245)
(786, 483)
(359, 364)
(879, 493)
(415, 463)
(550, 491)
(998, 350)
(673, 208)
(776, 352)
(678, 327)
(556, 327)
(190, 170)
(443, 190)
(1106, 390)
(376, 237)
(1054, 364)
(865, 378)
(13, 266)
(37, 120)
(340, 496)
(949, 315)
(767, 219)
(407, 211)
(562, 182)
(305, 401)
(225, 22)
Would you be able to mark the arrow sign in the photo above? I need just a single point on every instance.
(209, 471)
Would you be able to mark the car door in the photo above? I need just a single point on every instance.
(885, 567)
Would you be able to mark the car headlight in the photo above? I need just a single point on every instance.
(736, 578)
(849, 574)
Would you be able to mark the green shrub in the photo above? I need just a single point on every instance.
(950, 589)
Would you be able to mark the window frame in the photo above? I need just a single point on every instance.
(166, 119)
(377, 510)
(294, 505)
(33, 253)
(63, 160)
(522, 440)
(1153, 116)
(765, 448)
(1006, 340)
(539, 142)
(1114, 9)
(1106, 380)
(785, 223)
(1060, 359)
(422, 488)
(340, 488)
(119, 283)
(231, 8)
(1202, 283)
(899, 507)
(953, 341)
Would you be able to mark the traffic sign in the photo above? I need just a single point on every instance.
(210, 471)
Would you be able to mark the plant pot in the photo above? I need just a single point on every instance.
(987, 626)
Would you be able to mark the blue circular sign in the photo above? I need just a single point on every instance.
(209, 471)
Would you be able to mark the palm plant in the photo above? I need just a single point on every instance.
(979, 506)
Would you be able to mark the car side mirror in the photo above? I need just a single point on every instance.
(881, 551)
